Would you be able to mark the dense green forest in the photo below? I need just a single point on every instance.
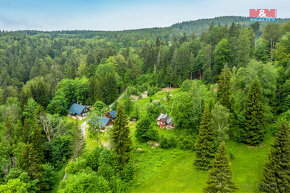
(224, 81)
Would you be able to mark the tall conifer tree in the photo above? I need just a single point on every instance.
(205, 145)
(121, 138)
(223, 93)
(220, 175)
(277, 170)
(30, 162)
(253, 132)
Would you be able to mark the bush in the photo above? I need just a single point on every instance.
(76, 166)
(48, 176)
(163, 142)
(99, 105)
(168, 142)
(118, 185)
(92, 159)
(186, 141)
(16, 175)
(98, 157)
(127, 173)
(154, 109)
(145, 130)
(152, 134)
(186, 86)
(86, 182)
(172, 141)
(153, 90)
(106, 171)
(132, 90)
(135, 113)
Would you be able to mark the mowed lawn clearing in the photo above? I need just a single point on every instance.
(172, 170)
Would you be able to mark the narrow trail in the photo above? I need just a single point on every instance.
(118, 99)
(83, 129)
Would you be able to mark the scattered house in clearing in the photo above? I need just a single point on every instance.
(164, 120)
(111, 115)
(104, 122)
(78, 110)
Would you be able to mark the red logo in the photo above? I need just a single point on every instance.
(263, 13)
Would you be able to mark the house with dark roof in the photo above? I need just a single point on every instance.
(111, 115)
(164, 120)
(103, 122)
(78, 110)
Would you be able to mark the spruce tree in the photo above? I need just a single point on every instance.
(223, 93)
(220, 175)
(277, 170)
(30, 162)
(37, 135)
(121, 138)
(26, 131)
(37, 140)
(205, 145)
(253, 132)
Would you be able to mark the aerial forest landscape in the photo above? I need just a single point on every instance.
(144, 96)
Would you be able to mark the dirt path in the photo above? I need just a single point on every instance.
(120, 97)
(83, 129)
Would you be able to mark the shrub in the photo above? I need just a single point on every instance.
(172, 141)
(186, 141)
(145, 130)
(154, 109)
(153, 90)
(127, 173)
(98, 157)
(106, 171)
(99, 105)
(186, 86)
(152, 134)
(76, 166)
(92, 159)
(167, 142)
(86, 182)
(48, 176)
(163, 142)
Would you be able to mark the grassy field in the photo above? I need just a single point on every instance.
(172, 170)
(159, 170)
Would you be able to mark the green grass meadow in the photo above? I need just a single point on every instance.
(172, 170)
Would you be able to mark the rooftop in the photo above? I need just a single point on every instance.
(77, 109)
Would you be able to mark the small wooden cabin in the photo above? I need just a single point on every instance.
(165, 121)
(78, 110)
(111, 115)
